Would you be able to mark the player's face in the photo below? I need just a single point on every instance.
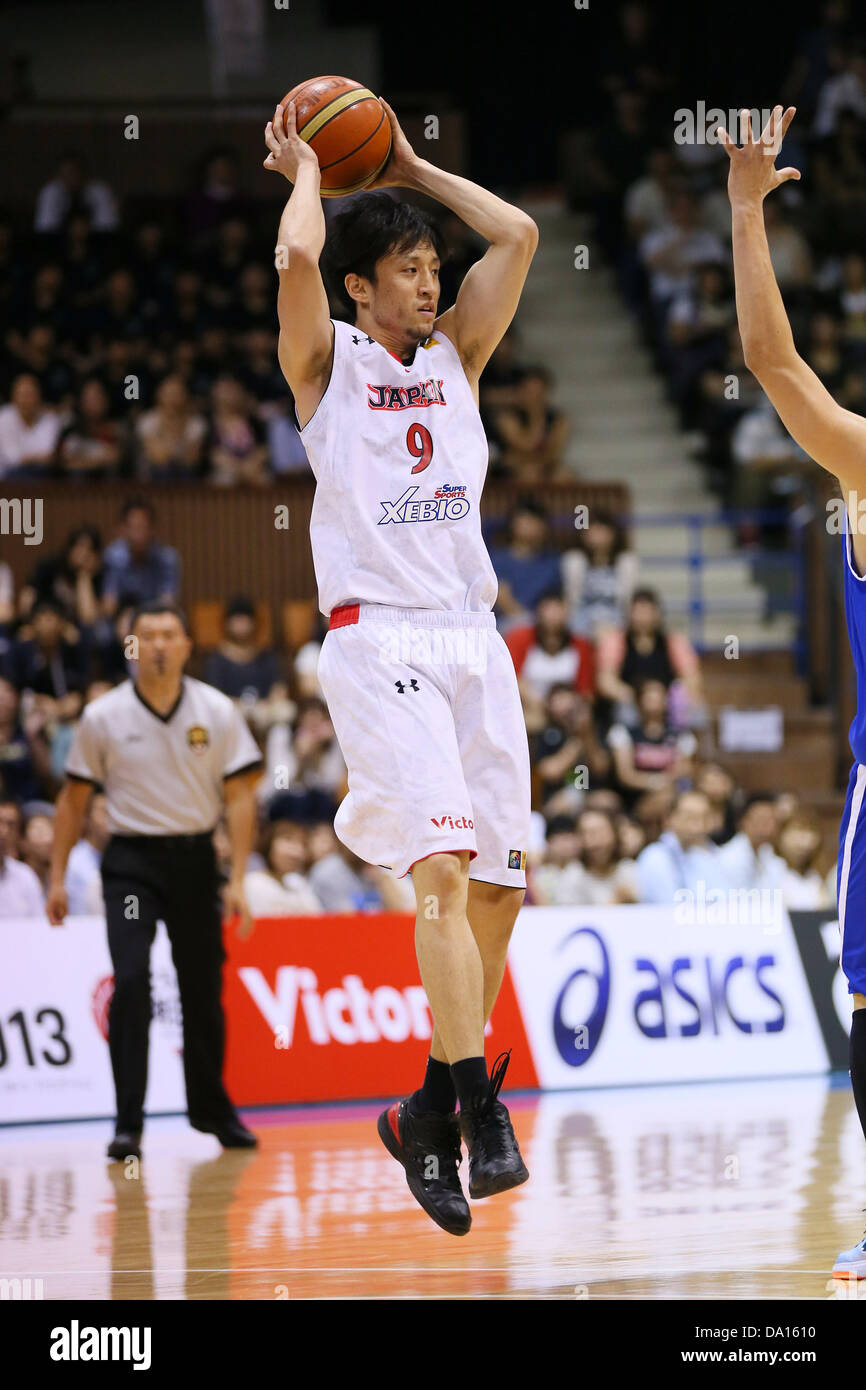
(405, 295)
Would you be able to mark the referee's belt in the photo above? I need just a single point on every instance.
(344, 616)
(197, 837)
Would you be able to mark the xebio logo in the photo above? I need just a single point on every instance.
(410, 508)
(579, 1013)
(348, 1014)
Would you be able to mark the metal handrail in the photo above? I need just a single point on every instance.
(695, 557)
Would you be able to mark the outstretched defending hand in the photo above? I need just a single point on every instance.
(287, 150)
(753, 173)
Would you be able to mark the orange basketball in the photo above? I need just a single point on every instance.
(347, 127)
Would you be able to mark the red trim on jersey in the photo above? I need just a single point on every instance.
(344, 616)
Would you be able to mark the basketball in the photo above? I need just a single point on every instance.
(346, 126)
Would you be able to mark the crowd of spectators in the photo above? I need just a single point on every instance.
(656, 186)
(146, 348)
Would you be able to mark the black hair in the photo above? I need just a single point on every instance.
(374, 225)
(756, 799)
(599, 516)
(240, 605)
(137, 504)
(538, 371)
(533, 507)
(47, 604)
(645, 596)
(153, 607)
(78, 533)
(641, 685)
(562, 685)
(560, 824)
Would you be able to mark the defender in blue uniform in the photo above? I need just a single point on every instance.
(851, 869)
(836, 439)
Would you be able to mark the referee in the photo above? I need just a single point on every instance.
(167, 750)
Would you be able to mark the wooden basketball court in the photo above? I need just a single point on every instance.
(724, 1191)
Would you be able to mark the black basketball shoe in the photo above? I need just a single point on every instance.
(428, 1146)
(495, 1163)
(125, 1144)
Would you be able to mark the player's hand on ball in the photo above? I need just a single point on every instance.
(287, 151)
(753, 173)
(56, 904)
(399, 171)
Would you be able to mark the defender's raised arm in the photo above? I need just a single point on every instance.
(834, 437)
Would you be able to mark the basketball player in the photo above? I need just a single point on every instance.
(836, 439)
(420, 686)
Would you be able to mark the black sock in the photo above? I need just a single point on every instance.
(438, 1091)
(857, 1059)
(470, 1079)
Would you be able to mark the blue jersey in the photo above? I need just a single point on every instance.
(855, 617)
(851, 867)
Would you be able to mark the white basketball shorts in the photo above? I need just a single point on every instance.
(427, 713)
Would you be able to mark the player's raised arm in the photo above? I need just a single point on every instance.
(306, 332)
(832, 436)
(488, 297)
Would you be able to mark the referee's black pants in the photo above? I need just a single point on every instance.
(174, 879)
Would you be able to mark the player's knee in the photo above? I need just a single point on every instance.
(506, 898)
(501, 903)
(444, 876)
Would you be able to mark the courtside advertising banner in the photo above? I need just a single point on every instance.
(330, 1008)
(325, 1008)
(625, 995)
(55, 987)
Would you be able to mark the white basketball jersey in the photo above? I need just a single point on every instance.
(400, 456)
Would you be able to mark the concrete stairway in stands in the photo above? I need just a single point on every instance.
(623, 427)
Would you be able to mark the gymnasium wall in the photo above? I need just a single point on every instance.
(232, 542)
(75, 49)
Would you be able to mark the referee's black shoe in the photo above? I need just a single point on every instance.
(428, 1146)
(231, 1133)
(495, 1162)
(125, 1144)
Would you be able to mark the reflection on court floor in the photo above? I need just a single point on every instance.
(735, 1190)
